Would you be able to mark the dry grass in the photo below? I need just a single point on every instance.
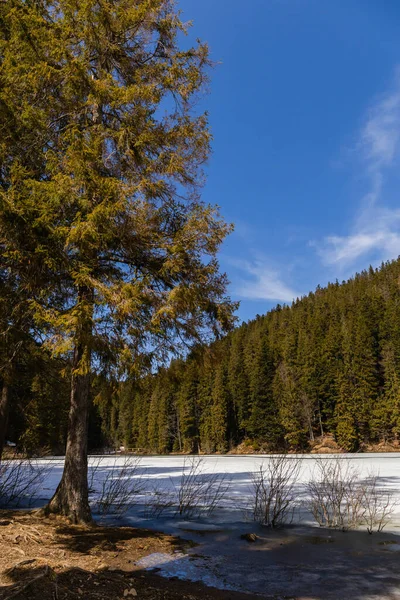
(49, 559)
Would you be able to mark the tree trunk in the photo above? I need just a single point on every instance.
(178, 431)
(4, 406)
(72, 495)
(320, 421)
(310, 429)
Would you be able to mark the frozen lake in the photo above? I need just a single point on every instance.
(164, 473)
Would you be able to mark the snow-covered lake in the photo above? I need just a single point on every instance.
(164, 473)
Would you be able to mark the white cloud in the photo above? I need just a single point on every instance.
(345, 250)
(381, 140)
(380, 135)
(262, 282)
(376, 230)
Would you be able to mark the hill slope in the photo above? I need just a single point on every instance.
(328, 364)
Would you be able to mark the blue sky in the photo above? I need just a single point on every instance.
(305, 111)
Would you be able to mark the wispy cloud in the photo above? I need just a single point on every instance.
(381, 238)
(375, 230)
(380, 135)
(261, 282)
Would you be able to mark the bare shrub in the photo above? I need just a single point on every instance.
(214, 490)
(273, 500)
(199, 493)
(93, 469)
(158, 501)
(336, 498)
(118, 489)
(339, 498)
(187, 497)
(20, 481)
(379, 505)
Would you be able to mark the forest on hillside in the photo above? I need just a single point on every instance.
(328, 364)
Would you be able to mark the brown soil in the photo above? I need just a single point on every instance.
(49, 559)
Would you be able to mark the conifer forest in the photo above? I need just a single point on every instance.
(327, 364)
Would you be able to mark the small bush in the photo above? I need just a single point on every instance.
(118, 490)
(199, 492)
(273, 495)
(196, 494)
(340, 499)
(20, 481)
(378, 504)
(335, 496)
(158, 501)
(93, 470)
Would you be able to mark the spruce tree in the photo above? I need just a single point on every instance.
(347, 432)
(238, 382)
(264, 420)
(220, 410)
(205, 400)
(188, 408)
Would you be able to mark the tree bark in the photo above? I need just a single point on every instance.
(4, 406)
(72, 495)
(320, 419)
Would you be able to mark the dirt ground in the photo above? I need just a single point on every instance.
(48, 559)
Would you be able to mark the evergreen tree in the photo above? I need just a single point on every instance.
(220, 410)
(103, 201)
(188, 409)
(329, 364)
(264, 421)
(238, 382)
(347, 432)
(205, 401)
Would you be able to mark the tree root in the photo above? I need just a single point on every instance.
(25, 586)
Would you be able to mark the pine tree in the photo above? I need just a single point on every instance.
(347, 432)
(125, 413)
(220, 410)
(332, 361)
(16, 339)
(141, 414)
(205, 400)
(188, 409)
(238, 382)
(152, 435)
(264, 421)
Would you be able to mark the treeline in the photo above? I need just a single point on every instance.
(39, 402)
(330, 363)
